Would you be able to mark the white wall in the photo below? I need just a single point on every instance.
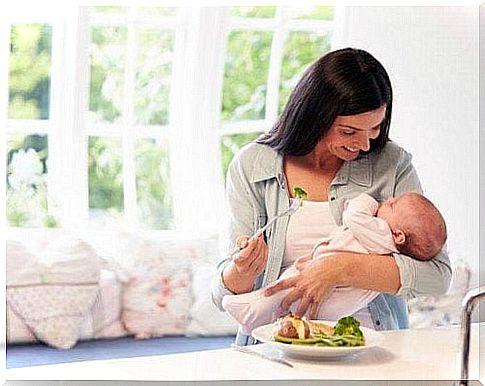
(431, 54)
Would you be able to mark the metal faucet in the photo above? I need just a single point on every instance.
(468, 303)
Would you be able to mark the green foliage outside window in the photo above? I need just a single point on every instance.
(312, 12)
(109, 9)
(158, 11)
(107, 64)
(26, 204)
(29, 71)
(246, 75)
(153, 76)
(301, 49)
(105, 174)
(29, 89)
(264, 12)
(153, 184)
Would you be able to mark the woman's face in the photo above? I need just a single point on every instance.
(351, 134)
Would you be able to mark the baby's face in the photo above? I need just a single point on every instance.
(392, 209)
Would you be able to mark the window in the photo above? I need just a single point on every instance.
(134, 113)
(130, 73)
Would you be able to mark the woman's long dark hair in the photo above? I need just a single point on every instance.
(343, 82)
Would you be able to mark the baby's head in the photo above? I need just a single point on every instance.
(417, 226)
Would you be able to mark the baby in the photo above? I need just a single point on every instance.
(409, 224)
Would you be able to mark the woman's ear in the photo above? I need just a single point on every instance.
(399, 237)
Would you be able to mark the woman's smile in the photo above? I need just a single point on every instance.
(350, 149)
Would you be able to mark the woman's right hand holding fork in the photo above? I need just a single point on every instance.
(241, 273)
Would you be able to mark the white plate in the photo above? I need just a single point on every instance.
(265, 333)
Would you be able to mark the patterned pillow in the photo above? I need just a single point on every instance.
(54, 313)
(17, 330)
(157, 305)
(52, 291)
(157, 295)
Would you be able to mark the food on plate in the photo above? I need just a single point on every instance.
(292, 329)
(292, 326)
(299, 193)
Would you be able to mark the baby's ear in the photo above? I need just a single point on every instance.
(399, 237)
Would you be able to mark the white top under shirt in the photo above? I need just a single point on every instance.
(306, 226)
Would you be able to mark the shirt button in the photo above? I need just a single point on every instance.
(332, 198)
(378, 322)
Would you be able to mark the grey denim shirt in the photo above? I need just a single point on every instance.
(256, 190)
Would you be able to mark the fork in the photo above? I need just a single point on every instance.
(295, 205)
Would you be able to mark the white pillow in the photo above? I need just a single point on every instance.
(22, 266)
(104, 317)
(205, 317)
(69, 260)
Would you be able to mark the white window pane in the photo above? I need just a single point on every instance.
(301, 49)
(105, 180)
(107, 63)
(153, 75)
(27, 181)
(246, 74)
(154, 196)
(29, 71)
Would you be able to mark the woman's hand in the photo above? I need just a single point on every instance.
(252, 259)
(314, 282)
(247, 265)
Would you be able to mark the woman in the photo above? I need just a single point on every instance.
(332, 140)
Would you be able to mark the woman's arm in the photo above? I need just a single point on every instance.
(394, 274)
(431, 277)
(238, 274)
(317, 278)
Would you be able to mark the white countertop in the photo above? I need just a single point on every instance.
(419, 354)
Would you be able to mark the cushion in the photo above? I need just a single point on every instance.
(157, 305)
(54, 313)
(104, 318)
(17, 329)
(51, 291)
(205, 318)
(157, 283)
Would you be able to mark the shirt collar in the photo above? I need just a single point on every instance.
(358, 171)
(269, 165)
